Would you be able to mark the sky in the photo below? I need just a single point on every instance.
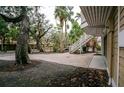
(49, 12)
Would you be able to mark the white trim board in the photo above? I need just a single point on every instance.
(121, 38)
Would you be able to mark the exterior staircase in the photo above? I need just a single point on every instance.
(78, 44)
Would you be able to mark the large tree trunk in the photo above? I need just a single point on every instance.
(61, 42)
(2, 43)
(22, 43)
(65, 34)
(38, 45)
(61, 38)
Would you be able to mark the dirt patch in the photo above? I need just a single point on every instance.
(47, 74)
(10, 66)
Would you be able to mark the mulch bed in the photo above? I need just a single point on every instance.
(10, 67)
(82, 77)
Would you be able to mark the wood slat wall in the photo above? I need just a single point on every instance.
(109, 51)
(112, 44)
(115, 46)
(121, 62)
(121, 50)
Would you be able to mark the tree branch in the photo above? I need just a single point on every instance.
(34, 34)
(45, 32)
(15, 19)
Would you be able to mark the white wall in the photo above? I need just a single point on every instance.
(121, 39)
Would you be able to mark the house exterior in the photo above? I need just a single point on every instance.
(107, 22)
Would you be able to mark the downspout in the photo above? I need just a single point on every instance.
(118, 47)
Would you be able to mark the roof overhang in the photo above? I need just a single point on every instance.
(96, 17)
(94, 30)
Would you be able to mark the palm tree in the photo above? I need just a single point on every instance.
(64, 14)
(61, 13)
(78, 16)
(71, 13)
(68, 16)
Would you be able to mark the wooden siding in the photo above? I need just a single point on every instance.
(121, 62)
(112, 44)
(109, 51)
(121, 50)
(115, 46)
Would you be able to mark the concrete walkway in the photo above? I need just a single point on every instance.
(98, 62)
(78, 60)
(88, 60)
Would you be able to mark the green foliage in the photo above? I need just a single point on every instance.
(78, 16)
(3, 28)
(3, 31)
(98, 47)
(13, 32)
(61, 13)
(39, 24)
(64, 13)
(70, 12)
(8, 32)
(75, 32)
(56, 41)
